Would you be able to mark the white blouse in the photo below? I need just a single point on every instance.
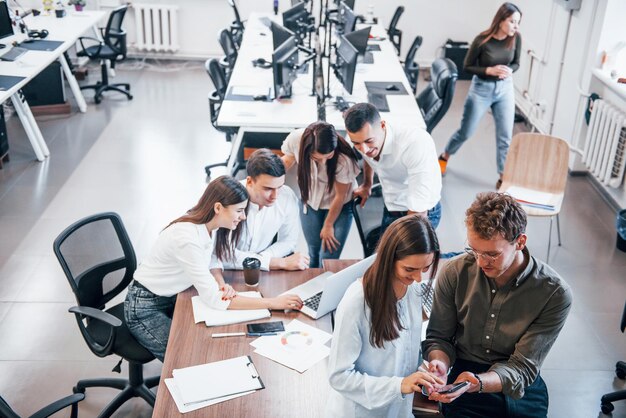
(319, 196)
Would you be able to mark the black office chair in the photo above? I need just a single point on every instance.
(236, 27)
(111, 48)
(434, 101)
(230, 52)
(216, 73)
(395, 34)
(412, 68)
(7, 412)
(620, 371)
(368, 219)
(98, 260)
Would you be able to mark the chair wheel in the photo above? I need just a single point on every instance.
(620, 373)
(208, 172)
(130, 97)
(607, 408)
(77, 389)
(97, 100)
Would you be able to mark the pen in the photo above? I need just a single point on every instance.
(228, 334)
(260, 334)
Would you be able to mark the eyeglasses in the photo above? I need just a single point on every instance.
(490, 258)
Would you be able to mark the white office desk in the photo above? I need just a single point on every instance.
(29, 65)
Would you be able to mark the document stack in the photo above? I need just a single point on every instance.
(216, 317)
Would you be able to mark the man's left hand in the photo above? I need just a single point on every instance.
(449, 397)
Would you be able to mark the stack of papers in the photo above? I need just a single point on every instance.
(533, 198)
(215, 317)
(300, 347)
(207, 384)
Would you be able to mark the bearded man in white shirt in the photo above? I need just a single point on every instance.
(272, 213)
(405, 161)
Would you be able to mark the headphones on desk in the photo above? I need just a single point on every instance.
(262, 62)
(38, 34)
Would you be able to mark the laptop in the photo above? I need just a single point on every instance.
(323, 293)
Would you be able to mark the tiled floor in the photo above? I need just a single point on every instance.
(144, 159)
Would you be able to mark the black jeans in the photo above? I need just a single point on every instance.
(534, 404)
(434, 216)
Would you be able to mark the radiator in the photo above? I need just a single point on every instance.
(605, 147)
(156, 27)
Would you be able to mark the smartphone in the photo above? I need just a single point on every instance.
(453, 388)
(265, 328)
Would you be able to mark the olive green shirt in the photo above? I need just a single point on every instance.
(512, 328)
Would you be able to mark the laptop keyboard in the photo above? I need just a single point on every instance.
(313, 302)
(13, 53)
(427, 297)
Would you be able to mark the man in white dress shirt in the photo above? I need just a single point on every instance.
(272, 212)
(405, 161)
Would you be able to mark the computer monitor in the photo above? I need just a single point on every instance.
(279, 35)
(349, 3)
(295, 17)
(6, 26)
(358, 39)
(347, 18)
(345, 65)
(284, 66)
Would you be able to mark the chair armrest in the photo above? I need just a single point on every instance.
(59, 405)
(82, 45)
(84, 311)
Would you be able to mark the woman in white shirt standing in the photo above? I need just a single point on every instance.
(327, 171)
(188, 253)
(374, 357)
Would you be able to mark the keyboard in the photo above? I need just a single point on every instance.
(314, 301)
(427, 297)
(13, 53)
(378, 100)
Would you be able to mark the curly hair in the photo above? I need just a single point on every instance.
(496, 213)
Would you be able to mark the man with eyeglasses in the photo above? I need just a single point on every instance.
(496, 313)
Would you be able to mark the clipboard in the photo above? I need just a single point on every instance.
(216, 380)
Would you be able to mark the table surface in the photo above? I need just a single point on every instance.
(301, 109)
(67, 29)
(191, 344)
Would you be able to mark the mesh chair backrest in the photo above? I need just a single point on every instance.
(97, 258)
(368, 220)
(114, 35)
(410, 56)
(228, 45)
(216, 72)
(538, 162)
(395, 19)
(435, 99)
(6, 411)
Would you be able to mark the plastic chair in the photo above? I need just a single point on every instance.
(538, 163)
(395, 34)
(411, 68)
(7, 412)
(98, 260)
(368, 219)
(620, 371)
(435, 100)
(112, 48)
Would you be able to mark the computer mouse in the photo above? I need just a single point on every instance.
(391, 87)
(260, 97)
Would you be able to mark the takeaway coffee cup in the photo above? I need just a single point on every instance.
(251, 271)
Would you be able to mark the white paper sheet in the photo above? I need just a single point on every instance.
(215, 317)
(532, 196)
(182, 408)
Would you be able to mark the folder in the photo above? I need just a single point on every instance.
(216, 380)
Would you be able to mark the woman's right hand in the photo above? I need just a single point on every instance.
(412, 382)
(500, 71)
(286, 302)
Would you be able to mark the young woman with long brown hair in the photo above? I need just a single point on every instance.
(493, 57)
(327, 171)
(374, 357)
(188, 253)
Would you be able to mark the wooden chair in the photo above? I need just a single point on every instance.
(538, 163)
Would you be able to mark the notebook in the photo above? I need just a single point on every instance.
(215, 317)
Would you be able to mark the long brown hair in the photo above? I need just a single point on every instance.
(503, 13)
(406, 236)
(320, 137)
(227, 191)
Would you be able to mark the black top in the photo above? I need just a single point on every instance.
(493, 52)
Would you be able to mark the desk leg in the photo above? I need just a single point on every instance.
(33, 133)
(78, 94)
(234, 151)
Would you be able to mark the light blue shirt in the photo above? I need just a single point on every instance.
(365, 380)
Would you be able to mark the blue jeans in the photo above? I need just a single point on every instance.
(534, 403)
(500, 96)
(149, 318)
(434, 216)
(312, 223)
